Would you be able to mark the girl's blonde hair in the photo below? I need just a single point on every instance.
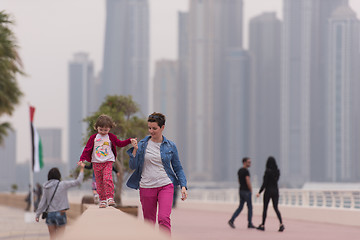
(104, 121)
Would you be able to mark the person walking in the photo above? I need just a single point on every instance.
(270, 184)
(157, 171)
(38, 194)
(245, 192)
(55, 201)
(28, 199)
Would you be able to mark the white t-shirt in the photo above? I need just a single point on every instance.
(153, 174)
(102, 150)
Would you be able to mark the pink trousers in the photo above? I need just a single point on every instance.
(104, 180)
(162, 196)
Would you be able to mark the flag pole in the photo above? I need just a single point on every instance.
(31, 189)
(32, 112)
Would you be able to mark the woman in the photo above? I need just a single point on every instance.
(157, 171)
(271, 178)
(56, 218)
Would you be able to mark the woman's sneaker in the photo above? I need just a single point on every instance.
(282, 228)
(261, 227)
(111, 202)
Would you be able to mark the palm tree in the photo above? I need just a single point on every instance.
(10, 66)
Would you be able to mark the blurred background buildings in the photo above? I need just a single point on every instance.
(292, 94)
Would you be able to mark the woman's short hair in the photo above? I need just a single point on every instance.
(54, 173)
(158, 118)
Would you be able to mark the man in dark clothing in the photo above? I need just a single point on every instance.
(38, 194)
(245, 192)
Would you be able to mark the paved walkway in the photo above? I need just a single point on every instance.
(14, 227)
(191, 222)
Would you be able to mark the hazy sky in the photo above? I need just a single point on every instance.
(49, 32)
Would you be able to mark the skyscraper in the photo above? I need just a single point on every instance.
(81, 82)
(182, 101)
(265, 51)
(165, 90)
(235, 121)
(215, 30)
(302, 112)
(343, 90)
(126, 52)
(230, 79)
(319, 80)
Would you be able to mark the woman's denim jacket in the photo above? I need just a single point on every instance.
(169, 157)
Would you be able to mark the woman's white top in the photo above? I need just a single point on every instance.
(153, 174)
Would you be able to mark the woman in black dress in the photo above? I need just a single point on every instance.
(270, 184)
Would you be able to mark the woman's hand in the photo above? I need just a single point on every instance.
(183, 194)
(134, 143)
(37, 219)
(258, 195)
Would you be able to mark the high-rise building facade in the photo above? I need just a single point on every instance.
(322, 11)
(304, 57)
(81, 83)
(343, 90)
(235, 121)
(126, 52)
(265, 50)
(182, 84)
(165, 92)
(215, 30)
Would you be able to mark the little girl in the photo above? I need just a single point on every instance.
(100, 150)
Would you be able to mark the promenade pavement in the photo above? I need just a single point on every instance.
(14, 227)
(211, 224)
(197, 221)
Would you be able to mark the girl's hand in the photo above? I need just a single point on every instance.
(183, 194)
(37, 219)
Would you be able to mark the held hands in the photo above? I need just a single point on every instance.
(134, 143)
(82, 165)
(183, 194)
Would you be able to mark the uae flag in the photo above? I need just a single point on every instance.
(37, 156)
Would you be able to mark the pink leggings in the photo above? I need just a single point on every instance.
(150, 197)
(104, 180)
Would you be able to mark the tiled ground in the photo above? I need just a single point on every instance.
(196, 223)
(14, 227)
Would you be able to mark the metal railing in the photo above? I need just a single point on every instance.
(345, 199)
